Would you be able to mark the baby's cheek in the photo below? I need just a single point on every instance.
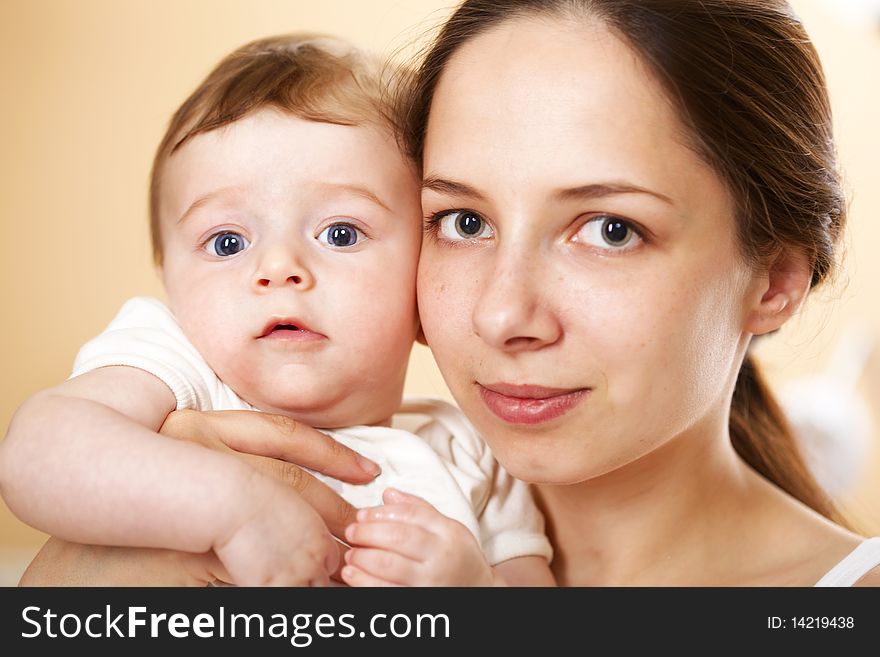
(390, 314)
(227, 355)
(222, 349)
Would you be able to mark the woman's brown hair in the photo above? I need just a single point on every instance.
(751, 92)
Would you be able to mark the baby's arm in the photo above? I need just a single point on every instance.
(407, 542)
(83, 461)
(524, 571)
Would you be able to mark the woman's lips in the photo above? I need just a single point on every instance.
(527, 404)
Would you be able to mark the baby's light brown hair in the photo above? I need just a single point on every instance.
(313, 77)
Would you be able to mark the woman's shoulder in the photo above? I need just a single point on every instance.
(859, 567)
(801, 547)
(833, 556)
(872, 578)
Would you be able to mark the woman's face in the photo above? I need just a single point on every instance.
(580, 283)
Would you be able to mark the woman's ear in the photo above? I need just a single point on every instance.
(780, 293)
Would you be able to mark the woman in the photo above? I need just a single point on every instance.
(619, 196)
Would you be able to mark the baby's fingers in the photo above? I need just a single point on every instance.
(396, 496)
(357, 577)
(368, 567)
(421, 513)
(411, 541)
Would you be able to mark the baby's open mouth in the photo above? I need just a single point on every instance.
(289, 329)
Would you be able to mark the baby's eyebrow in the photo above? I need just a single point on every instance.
(357, 190)
(203, 200)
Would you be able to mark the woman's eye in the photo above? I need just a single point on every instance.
(607, 232)
(340, 235)
(226, 244)
(463, 225)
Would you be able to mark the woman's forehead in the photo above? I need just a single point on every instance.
(551, 76)
(550, 99)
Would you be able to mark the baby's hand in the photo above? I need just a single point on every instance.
(282, 541)
(407, 542)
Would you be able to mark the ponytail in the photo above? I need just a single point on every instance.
(762, 436)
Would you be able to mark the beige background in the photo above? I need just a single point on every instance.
(88, 86)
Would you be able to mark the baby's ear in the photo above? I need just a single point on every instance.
(420, 336)
(781, 291)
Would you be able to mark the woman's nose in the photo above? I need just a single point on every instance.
(510, 313)
(280, 267)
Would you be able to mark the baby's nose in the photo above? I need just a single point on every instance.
(279, 268)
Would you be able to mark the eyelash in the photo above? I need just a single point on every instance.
(432, 228)
(204, 244)
(432, 221)
(640, 232)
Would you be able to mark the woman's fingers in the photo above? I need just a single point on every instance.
(281, 437)
(274, 436)
(335, 511)
(274, 445)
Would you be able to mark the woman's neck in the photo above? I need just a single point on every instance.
(661, 520)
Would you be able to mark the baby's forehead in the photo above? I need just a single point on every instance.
(272, 152)
(268, 129)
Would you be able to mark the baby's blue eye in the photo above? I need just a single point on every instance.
(227, 244)
(340, 235)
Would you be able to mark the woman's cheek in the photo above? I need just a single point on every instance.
(442, 304)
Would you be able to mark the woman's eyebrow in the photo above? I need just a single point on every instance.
(598, 190)
(581, 192)
(451, 188)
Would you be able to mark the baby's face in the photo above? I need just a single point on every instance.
(290, 256)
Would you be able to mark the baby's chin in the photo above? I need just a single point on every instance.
(335, 412)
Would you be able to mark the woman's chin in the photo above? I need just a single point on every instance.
(545, 468)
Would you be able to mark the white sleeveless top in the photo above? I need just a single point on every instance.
(855, 565)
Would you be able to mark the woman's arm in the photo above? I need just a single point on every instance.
(60, 563)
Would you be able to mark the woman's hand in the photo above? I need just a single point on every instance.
(279, 540)
(277, 446)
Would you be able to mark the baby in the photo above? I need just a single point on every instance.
(286, 225)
